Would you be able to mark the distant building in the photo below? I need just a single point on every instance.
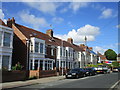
(6, 46)
(118, 57)
(101, 58)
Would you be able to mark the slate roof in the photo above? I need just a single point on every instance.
(48, 40)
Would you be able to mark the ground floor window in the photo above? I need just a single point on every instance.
(41, 64)
(50, 65)
(31, 65)
(36, 65)
(46, 67)
(5, 61)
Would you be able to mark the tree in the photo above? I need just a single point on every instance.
(110, 54)
(115, 64)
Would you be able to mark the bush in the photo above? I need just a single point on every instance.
(18, 66)
(115, 64)
(92, 65)
(4, 69)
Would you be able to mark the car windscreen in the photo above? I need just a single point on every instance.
(74, 70)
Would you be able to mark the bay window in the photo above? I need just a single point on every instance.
(6, 41)
(41, 47)
(36, 47)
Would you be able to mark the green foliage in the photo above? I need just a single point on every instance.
(110, 54)
(91, 65)
(18, 66)
(115, 64)
(4, 69)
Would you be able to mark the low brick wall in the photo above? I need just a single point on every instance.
(34, 73)
(47, 73)
(17, 75)
(42, 73)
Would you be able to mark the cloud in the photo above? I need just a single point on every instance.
(31, 19)
(2, 16)
(64, 10)
(99, 49)
(75, 6)
(103, 48)
(107, 13)
(45, 7)
(57, 20)
(78, 35)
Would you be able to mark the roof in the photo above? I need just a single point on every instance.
(48, 40)
(119, 55)
(92, 52)
(2, 23)
(102, 56)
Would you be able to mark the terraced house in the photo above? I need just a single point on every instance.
(34, 49)
(6, 46)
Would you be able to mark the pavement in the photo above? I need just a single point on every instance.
(7, 85)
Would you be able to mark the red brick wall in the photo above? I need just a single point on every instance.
(42, 73)
(19, 52)
(33, 73)
(47, 73)
(17, 75)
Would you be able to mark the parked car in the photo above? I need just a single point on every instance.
(116, 69)
(75, 73)
(90, 71)
(101, 70)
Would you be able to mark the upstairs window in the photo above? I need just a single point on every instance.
(36, 47)
(41, 47)
(6, 41)
(64, 52)
(52, 51)
(46, 50)
(60, 51)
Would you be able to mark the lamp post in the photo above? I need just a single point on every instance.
(62, 56)
(85, 51)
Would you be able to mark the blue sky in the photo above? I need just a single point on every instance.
(96, 20)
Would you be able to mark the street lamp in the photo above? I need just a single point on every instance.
(62, 55)
(85, 51)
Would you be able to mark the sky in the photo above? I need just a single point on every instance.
(98, 21)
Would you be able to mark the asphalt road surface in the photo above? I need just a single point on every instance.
(97, 81)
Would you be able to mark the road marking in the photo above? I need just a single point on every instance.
(113, 86)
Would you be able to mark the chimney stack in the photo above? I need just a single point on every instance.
(10, 22)
(70, 40)
(82, 45)
(49, 32)
(90, 48)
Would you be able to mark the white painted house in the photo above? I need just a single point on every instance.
(6, 46)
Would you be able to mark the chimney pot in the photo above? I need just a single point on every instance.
(49, 32)
(90, 48)
(70, 40)
(10, 22)
(13, 20)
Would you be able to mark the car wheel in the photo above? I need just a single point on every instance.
(90, 74)
(77, 76)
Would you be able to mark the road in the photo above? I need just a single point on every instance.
(97, 81)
